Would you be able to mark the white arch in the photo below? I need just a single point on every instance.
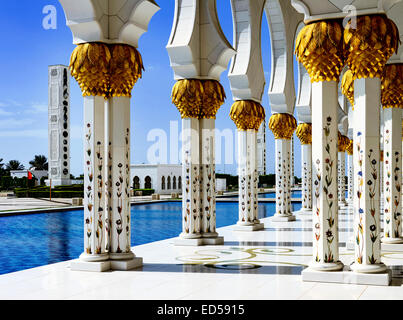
(246, 72)
(197, 47)
(283, 21)
(395, 13)
(108, 21)
(314, 10)
(304, 97)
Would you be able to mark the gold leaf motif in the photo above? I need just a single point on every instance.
(247, 114)
(342, 142)
(304, 133)
(350, 148)
(369, 46)
(107, 70)
(282, 125)
(199, 99)
(319, 47)
(392, 86)
(347, 86)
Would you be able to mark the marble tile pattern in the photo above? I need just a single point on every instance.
(250, 265)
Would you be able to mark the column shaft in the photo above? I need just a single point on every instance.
(324, 159)
(366, 180)
(283, 192)
(341, 178)
(252, 165)
(191, 223)
(94, 200)
(245, 181)
(119, 166)
(306, 172)
(392, 176)
(207, 178)
(350, 178)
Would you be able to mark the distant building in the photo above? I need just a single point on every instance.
(37, 174)
(59, 125)
(163, 178)
(261, 150)
(221, 184)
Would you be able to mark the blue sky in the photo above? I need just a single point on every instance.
(28, 49)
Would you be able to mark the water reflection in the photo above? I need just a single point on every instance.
(34, 240)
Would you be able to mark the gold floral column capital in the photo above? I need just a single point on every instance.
(282, 125)
(126, 67)
(343, 142)
(392, 86)
(319, 47)
(199, 99)
(107, 70)
(247, 115)
(370, 44)
(350, 148)
(347, 86)
(304, 133)
(89, 65)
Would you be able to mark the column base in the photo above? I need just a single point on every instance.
(85, 257)
(397, 247)
(213, 241)
(323, 267)
(102, 266)
(350, 244)
(347, 276)
(198, 241)
(283, 218)
(304, 212)
(124, 265)
(368, 268)
(253, 227)
(210, 235)
(122, 256)
(96, 266)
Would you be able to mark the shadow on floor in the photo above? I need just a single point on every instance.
(272, 244)
(236, 268)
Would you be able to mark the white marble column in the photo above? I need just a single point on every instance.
(283, 191)
(248, 178)
(245, 181)
(207, 180)
(392, 220)
(119, 165)
(341, 178)
(306, 171)
(253, 164)
(292, 169)
(366, 181)
(350, 178)
(324, 175)
(191, 224)
(94, 200)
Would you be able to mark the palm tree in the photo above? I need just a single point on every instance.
(2, 170)
(40, 162)
(14, 165)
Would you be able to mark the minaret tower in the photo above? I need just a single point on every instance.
(59, 126)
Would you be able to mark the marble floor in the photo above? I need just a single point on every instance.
(249, 266)
(20, 204)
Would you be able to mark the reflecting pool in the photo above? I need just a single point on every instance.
(29, 241)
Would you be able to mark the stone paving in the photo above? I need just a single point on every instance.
(250, 265)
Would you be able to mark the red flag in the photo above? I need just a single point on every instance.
(29, 175)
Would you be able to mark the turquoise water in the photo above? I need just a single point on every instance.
(29, 241)
(294, 194)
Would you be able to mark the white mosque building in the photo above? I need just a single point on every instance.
(162, 178)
